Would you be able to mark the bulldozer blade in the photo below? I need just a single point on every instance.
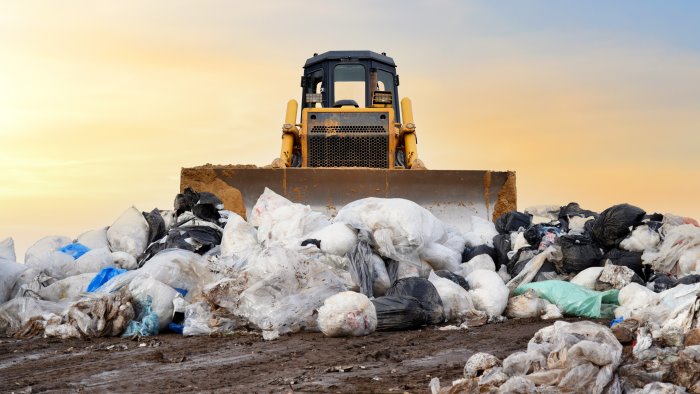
(451, 195)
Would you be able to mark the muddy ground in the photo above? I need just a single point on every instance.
(305, 362)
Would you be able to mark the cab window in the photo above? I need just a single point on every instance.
(349, 83)
(314, 89)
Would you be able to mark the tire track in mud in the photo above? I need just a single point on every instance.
(380, 362)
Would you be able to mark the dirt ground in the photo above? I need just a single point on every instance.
(305, 362)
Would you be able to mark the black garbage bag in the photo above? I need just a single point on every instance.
(512, 221)
(578, 253)
(425, 292)
(573, 209)
(689, 279)
(521, 257)
(661, 282)
(614, 223)
(206, 212)
(534, 234)
(471, 252)
(156, 225)
(631, 260)
(453, 277)
(392, 268)
(399, 313)
(361, 267)
(501, 243)
(185, 201)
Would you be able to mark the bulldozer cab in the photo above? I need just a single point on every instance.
(350, 78)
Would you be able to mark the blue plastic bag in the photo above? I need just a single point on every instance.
(146, 324)
(103, 277)
(75, 250)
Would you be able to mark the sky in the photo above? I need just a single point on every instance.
(102, 102)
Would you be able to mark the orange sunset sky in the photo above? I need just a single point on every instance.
(102, 102)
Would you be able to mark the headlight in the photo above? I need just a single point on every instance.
(381, 97)
(314, 97)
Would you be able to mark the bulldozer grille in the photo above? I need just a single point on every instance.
(348, 140)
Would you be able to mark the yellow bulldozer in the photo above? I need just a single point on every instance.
(354, 140)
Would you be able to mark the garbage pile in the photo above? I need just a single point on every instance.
(382, 264)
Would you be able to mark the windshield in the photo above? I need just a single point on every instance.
(349, 83)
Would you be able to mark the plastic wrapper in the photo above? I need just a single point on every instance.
(347, 314)
(488, 292)
(456, 302)
(285, 300)
(129, 233)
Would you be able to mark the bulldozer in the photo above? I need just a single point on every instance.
(355, 139)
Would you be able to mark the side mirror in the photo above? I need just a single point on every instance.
(396, 80)
(303, 81)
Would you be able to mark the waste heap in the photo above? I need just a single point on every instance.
(383, 264)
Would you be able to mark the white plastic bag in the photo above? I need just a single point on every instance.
(179, 269)
(641, 239)
(94, 239)
(284, 301)
(482, 232)
(678, 239)
(588, 277)
(17, 312)
(281, 221)
(7, 249)
(440, 257)
(44, 256)
(456, 301)
(68, 289)
(526, 305)
(239, 238)
(347, 314)
(337, 239)
(161, 295)
(381, 281)
(9, 272)
(487, 291)
(129, 233)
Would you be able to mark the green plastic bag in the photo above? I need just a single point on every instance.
(575, 300)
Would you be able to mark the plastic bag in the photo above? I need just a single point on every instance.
(501, 243)
(482, 232)
(347, 314)
(532, 267)
(472, 251)
(527, 305)
(239, 238)
(179, 269)
(613, 225)
(615, 277)
(129, 233)
(7, 249)
(631, 260)
(575, 300)
(512, 221)
(101, 315)
(145, 324)
(19, 311)
(642, 238)
(440, 257)
(94, 239)
(103, 277)
(155, 296)
(677, 241)
(337, 239)
(362, 266)
(45, 257)
(75, 250)
(381, 282)
(398, 313)
(573, 210)
(487, 291)
(9, 272)
(425, 292)
(578, 253)
(456, 301)
(458, 279)
(68, 289)
(284, 301)
(281, 221)
(588, 277)
(203, 319)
